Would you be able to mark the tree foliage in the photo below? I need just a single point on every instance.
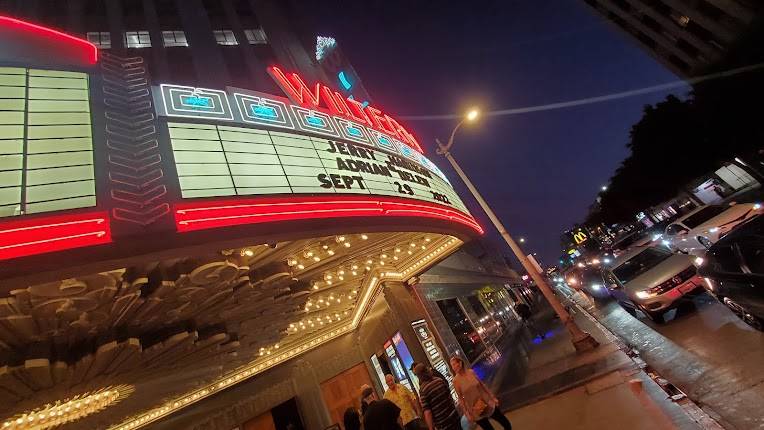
(678, 140)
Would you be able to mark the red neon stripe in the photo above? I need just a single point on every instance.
(56, 233)
(203, 215)
(91, 51)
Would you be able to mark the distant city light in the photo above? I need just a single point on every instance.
(604, 188)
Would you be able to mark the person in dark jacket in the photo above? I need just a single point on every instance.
(352, 419)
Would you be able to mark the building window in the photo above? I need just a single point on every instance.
(225, 37)
(137, 39)
(256, 36)
(174, 38)
(101, 39)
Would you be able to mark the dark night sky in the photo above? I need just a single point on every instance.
(539, 171)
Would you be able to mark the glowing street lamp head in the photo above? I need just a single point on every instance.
(472, 115)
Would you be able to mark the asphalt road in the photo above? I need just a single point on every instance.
(703, 349)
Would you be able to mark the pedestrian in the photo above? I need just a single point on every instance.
(478, 403)
(432, 371)
(526, 316)
(352, 419)
(437, 404)
(406, 401)
(380, 414)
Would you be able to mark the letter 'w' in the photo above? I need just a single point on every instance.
(295, 87)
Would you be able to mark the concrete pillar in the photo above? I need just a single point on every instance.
(209, 63)
(116, 26)
(307, 390)
(255, 67)
(158, 55)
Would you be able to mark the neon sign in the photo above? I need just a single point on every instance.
(321, 97)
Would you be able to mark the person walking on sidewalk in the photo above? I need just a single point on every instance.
(525, 314)
(439, 409)
(406, 401)
(478, 403)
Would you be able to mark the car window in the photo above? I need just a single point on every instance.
(752, 251)
(725, 259)
(703, 215)
(640, 264)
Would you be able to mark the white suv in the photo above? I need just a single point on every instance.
(694, 232)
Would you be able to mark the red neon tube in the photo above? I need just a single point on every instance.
(201, 215)
(90, 51)
(41, 235)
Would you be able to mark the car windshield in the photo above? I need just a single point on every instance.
(703, 215)
(640, 264)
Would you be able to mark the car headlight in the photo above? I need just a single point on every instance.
(645, 294)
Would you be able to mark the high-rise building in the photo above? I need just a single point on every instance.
(687, 36)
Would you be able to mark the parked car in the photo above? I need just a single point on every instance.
(651, 279)
(734, 272)
(696, 231)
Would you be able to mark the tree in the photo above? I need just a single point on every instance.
(677, 141)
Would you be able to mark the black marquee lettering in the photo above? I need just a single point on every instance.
(325, 183)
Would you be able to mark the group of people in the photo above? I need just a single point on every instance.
(434, 409)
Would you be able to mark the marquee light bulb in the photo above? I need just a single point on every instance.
(364, 237)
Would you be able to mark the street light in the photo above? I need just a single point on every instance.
(582, 341)
(522, 240)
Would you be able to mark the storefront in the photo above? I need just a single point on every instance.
(469, 304)
(191, 257)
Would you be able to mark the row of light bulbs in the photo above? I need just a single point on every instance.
(68, 410)
(252, 370)
(313, 255)
(318, 321)
(383, 259)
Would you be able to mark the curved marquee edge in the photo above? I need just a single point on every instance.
(208, 214)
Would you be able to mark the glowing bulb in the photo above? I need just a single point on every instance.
(364, 237)
(316, 259)
(347, 244)
(300, 266)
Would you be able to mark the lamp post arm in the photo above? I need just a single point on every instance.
(443, 149)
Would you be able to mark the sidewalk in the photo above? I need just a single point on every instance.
(559, 389)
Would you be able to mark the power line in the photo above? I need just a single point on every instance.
(597, 99)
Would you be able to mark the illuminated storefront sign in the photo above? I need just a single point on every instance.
(320, 96)
(580, 237)
(397, 366)
(434, 356)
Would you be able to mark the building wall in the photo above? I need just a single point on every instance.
(686, 36)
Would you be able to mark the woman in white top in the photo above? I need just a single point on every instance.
(477, 401)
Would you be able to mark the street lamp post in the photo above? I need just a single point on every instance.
(582, 341)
